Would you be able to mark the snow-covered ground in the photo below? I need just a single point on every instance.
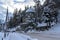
(42, 36)
(15, 36)
(51, 34)
(54, 30)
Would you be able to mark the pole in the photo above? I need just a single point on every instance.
(5, 28)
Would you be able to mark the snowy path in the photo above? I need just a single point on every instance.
(40, 36)
(54, 30)
(15, 36)
(52, 34)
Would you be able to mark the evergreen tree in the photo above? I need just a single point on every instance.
(13, 21)
(38, 10)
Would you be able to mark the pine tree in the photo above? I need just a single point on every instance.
(51, 6)
(13, 21)
(38, 9)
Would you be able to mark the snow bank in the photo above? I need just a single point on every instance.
(15, 36)
(44, 24)
(41, 24)
(54, 30)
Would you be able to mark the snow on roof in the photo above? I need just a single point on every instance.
(30, 10)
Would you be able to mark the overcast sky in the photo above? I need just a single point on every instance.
(12, 4)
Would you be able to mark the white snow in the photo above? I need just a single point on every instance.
(41, 24)
(30, 10)
(12, 29)
(44, 24)
(15, 36)
(55, 29)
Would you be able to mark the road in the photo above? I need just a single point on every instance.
(41, 36)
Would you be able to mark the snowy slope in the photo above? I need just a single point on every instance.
(56, 27)
(15, 36)
(54, 30)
